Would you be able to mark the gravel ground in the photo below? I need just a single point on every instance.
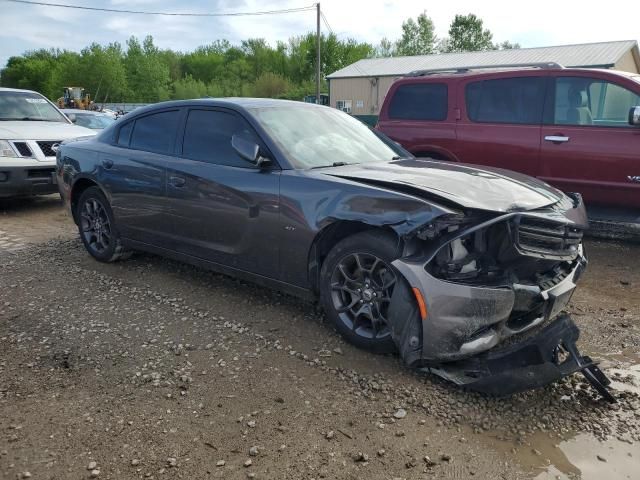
(154, 369)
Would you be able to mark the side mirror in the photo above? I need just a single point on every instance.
(248, 149)
(634, 116)
(72, 117)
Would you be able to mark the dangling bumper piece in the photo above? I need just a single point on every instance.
(535, 362)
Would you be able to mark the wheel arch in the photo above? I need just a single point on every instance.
(78, 188)
(329, 236)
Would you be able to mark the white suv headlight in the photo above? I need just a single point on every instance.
(6, 150)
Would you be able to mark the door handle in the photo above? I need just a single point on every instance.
(177, 182)
(107, 163)
(556, 138)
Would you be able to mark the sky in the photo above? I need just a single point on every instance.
(531, 24)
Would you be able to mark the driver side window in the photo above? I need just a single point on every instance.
(207, 137)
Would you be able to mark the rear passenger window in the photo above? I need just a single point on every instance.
(420, 101)
(155, 132)
(207, 137)
(124, 134)
(508, 100)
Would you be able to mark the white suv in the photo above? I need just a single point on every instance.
(31, 127)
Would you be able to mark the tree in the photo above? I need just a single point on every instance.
(418, 37)
(270, 85)
(147, 76)
(188, 87)
(506, 45)
(143, 73)
(31, 70)
(467, 34)
(384, 49)
(101, 72)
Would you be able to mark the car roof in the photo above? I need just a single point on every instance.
(239, 103)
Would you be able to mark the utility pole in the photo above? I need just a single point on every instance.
(318, 54)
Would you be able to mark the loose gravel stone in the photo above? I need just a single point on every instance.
(400, 413)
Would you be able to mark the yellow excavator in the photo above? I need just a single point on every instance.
(74, 97)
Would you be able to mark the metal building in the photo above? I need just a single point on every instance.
(360, 88)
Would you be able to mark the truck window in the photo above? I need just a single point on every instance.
(590, 101)
(507, 100)
(420, 101)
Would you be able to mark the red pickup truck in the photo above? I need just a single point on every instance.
(577, 129)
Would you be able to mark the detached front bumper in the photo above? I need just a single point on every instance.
(542, 359)
(465, 320)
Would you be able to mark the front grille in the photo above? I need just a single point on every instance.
(547, 239)
(23, 149)
(46, 147)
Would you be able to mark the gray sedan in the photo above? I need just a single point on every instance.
(446, 263)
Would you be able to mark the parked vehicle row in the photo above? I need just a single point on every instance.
(443, 262)
(575, 128)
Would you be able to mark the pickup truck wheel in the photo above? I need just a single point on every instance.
(356, 285)
(97, 227)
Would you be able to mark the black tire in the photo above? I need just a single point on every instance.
(357, 273)
(97, 227)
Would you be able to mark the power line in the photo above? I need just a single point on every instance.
(354, 65)
(324, 19)
(331, 30)
(170, 14)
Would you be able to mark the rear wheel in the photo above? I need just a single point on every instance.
(97, 227)
(356, 286)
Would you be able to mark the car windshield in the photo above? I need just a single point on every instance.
(94, 121)
(28, 106)
(314, 137)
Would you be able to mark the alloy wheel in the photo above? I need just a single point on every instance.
(361, 289)
(95, 225)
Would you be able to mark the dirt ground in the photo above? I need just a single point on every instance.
(153, 369)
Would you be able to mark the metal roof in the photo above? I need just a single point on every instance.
(604, 54)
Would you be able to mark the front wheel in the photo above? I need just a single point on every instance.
(97, 227)
(356, 287)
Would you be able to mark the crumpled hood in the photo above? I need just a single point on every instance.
(469, 186)
(27, 130)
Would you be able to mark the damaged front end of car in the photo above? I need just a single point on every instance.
(492, 291)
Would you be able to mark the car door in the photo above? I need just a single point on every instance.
(134, 171)
(222, 207)
(588, 145)
(501, 121)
